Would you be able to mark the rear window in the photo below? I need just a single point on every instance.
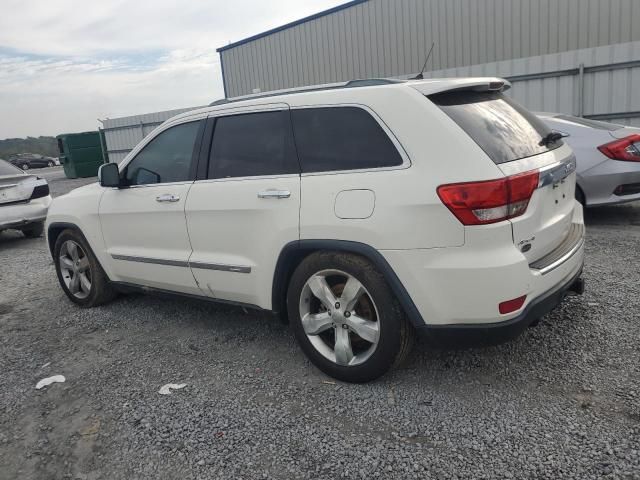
(585, 122)
(7, 169)
(500, 126)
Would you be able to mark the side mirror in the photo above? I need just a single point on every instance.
(109, 175)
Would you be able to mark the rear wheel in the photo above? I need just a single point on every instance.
(25, 166)
(79, 273)
(345, 318)
(34, 230)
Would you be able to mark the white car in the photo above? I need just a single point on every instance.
(608, 158)
(24, 200)
(361, 214)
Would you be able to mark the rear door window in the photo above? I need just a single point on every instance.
(500, 126)
(341, 138)
(252, 144)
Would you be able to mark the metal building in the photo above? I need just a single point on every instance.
(577, 56)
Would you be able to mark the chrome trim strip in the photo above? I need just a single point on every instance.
(155, 261)
(556, 173)
(561, 260)
(222, 268)
(179, 263)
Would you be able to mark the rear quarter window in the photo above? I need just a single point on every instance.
(505, 130)
(341, 138)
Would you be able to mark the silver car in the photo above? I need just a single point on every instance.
(608, 158)
(24, 200)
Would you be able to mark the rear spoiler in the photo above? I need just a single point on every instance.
(478, 84)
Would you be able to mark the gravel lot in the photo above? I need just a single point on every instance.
(562, 401)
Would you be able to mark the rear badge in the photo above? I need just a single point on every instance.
(525, 245)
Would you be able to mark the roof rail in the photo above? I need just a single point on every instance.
(365, 82)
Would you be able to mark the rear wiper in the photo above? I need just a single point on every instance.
(552, 137)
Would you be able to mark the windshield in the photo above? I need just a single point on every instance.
(504, 129)
(7, 169)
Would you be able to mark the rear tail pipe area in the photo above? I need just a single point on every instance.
(577, 287)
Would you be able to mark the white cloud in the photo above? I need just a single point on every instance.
(64, 64)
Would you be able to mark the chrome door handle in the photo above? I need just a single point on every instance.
(274, 194)
(167, 197)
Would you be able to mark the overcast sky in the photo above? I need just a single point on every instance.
(66, 63)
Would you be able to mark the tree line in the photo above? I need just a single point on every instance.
(46, 146)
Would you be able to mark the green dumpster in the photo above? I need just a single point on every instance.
(80, 153)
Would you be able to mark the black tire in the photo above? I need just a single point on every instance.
(34, 230)
(396, 335)
(25, 166)
(580, 196)
(50, 164)
(101, 290)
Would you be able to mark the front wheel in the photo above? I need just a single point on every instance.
(50, 164)
(25, 166)
(79, 273)
(345, 317)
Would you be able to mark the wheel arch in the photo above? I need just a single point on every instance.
(295, 252)
(55, 229)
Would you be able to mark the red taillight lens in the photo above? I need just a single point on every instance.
(481, 203)
(626, 149)
(512, 305)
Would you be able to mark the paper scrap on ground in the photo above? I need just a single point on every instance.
(49, 380)
(166, 389)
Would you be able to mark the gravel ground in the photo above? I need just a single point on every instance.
(562, 401)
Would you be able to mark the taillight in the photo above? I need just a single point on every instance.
(491, 201)
(626, 149)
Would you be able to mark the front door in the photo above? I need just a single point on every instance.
(247, 208)
(143, 224)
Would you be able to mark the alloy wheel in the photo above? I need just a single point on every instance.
(75, 269)
(339, 317)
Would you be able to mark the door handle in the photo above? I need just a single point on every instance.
(167, 197)
(274, 194)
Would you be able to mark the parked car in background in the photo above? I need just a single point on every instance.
(361, 214)
(31, 160)
(607, 155)
(24, 200)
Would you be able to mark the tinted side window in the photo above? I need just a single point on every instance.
(167, 158)
(252, 144)
(341, 138)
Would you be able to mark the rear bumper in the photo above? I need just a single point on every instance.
(495, 333)
(459, 289)
(600, 182)
(20, 215)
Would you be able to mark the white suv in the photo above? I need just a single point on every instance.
(362, 214)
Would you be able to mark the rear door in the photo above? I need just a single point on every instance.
(244, 207)
(517, 141)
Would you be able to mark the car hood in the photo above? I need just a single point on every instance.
(82, 190)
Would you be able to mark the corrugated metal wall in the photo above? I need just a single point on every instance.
(387, 38)
(124, 133)
(607, 87)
